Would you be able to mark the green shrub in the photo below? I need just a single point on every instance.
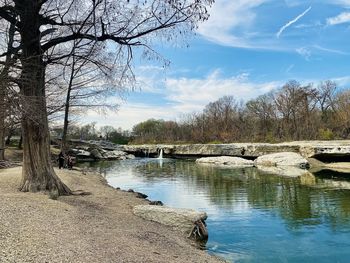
(325, 134)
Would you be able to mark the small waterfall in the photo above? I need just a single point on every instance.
(160, 154)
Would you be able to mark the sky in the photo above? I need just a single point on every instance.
(245, 49)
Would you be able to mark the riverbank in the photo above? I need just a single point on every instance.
(95, 228)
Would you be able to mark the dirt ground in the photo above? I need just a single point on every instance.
(95, 228)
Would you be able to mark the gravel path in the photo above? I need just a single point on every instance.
(95, 228)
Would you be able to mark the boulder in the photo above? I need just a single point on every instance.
(177, 218)
(130, 156)
(226, 160)
(95, 153)
(282, 159)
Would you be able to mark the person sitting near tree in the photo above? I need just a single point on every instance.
(60, 160)
(70, 162)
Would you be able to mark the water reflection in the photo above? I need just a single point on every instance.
(250, 212)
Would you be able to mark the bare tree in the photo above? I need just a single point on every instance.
(106, 131)
(88, 84)
(263, 111)
(343, 113)
(47, 26)
(8, 62)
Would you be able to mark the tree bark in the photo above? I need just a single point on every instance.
(37, 171)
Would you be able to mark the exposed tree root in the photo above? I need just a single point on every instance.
(81, 192)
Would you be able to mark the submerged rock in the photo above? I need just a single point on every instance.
(282, 159)
(288, 171)
(226, 160)
(184, 220)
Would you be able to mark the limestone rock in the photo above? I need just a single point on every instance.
(178, 218)
(130, 156)
(282, 159)
(116, 154)
(226, 160)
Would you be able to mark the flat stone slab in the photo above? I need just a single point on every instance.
(282, 159)
(178, 218)
(226, 160)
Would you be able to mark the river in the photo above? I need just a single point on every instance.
(252, 217)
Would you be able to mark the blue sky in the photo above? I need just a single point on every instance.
(245, 49)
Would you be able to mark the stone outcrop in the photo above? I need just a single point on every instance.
(180, 219)
(226, 160)
(253, 150)
(92, 150)
(282, 159)
(102, 154)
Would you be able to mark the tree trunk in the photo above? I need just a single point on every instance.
(66, 109)
(37, 171)
(9, 135)
(2, 123)
(20, 142)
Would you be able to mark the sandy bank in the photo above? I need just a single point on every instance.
(95, 228)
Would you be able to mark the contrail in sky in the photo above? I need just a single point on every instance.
(292, 22)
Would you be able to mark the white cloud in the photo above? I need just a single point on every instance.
(293, 3)
(292, 22)
(339, 19)
(185, 95)
(193, 94)
(343, 82)
(345, 3)
(226, 18)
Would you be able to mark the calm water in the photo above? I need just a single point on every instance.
(252, 217)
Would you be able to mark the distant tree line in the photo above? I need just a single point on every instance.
(294, 112)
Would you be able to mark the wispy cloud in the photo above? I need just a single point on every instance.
(227, 19)
(289, 69)
(330, 50)
(304, 52)
(292, 22)
(339, 19)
